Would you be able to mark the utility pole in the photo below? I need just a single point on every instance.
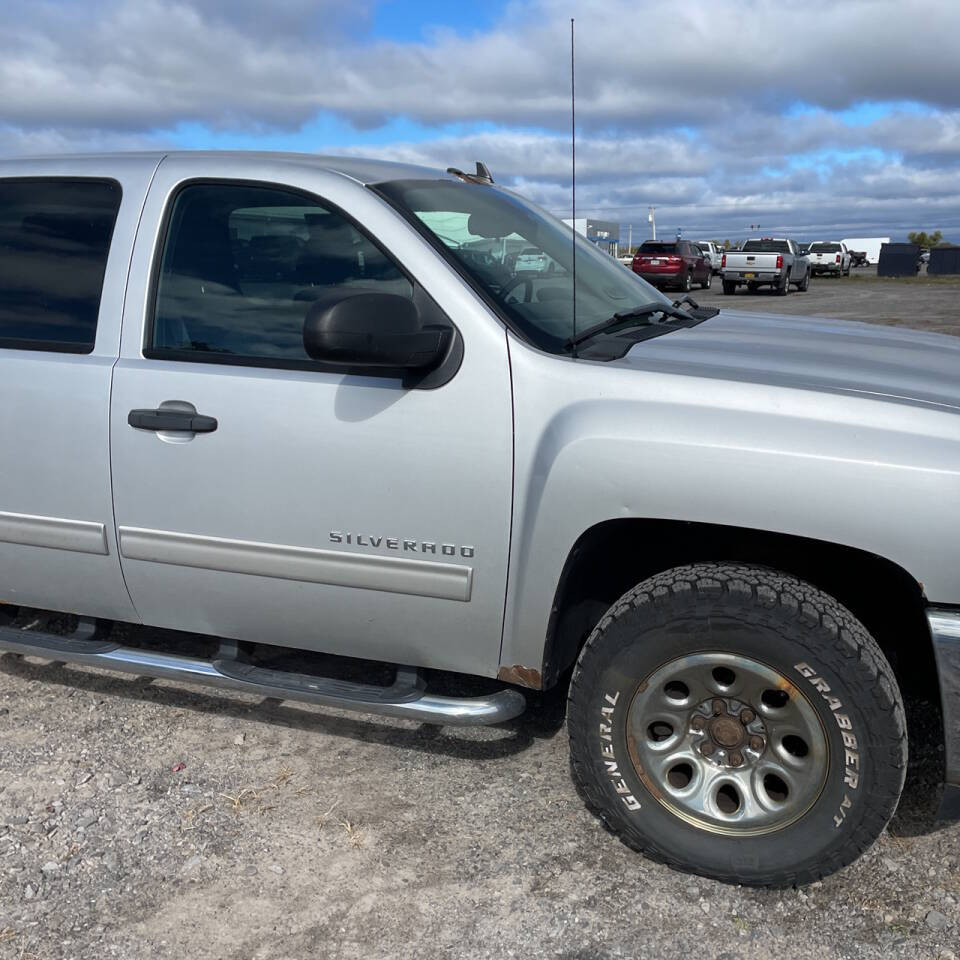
(630, 241)
(652, 218)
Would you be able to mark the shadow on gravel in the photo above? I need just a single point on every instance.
(542, 719)
(923, 789)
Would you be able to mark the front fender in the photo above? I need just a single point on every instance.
(595, 443)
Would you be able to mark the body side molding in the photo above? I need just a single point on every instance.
(423, 578)
(79, 536)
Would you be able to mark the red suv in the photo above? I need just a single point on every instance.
(673, 263)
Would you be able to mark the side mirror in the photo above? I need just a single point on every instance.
(373, 330)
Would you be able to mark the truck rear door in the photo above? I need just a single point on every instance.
(342, 513)
(66, 232)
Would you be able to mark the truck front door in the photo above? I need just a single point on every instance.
(342, 513)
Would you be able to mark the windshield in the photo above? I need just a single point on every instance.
(825, 248)
(521, 257)
(766, 246)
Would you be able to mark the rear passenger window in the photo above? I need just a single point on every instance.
(241, 266)
(54, 240)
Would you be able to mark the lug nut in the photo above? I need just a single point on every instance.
(718, 707)
(706, 748)
(756, 743)
(698, 723)
(736, 758)
(747, 716)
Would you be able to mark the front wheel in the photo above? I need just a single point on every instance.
(739, 723)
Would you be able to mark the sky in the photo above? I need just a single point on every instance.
(812, 119)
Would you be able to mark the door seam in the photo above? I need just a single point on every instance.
(113, 367)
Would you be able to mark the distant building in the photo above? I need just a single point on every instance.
(604, 233)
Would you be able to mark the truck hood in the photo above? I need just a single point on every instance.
(836, 356)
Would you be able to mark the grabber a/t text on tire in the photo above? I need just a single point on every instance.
(737, 722)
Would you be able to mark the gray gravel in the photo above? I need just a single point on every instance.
(145, 819)
(931, 304)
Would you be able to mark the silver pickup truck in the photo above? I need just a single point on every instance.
(765, 262)
(302, 402)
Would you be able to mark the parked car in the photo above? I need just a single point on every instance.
(765, 261)
(858, 258)
(677, 264)
(731, 536)
(532, 260)
(829, 257)
(713, 253)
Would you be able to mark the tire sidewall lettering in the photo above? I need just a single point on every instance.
(610, 762)
(852, 756)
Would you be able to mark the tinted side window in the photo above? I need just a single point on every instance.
(241, 266)
(54, 240)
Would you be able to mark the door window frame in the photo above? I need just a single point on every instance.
(430, 311)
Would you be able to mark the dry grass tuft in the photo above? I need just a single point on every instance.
(356, 836)
(254, 798)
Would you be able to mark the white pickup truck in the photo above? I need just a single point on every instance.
(830, 257)
(765, 261)
(255, 401)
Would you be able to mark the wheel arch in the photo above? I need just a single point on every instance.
(613, 556)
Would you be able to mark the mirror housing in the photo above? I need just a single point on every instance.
(375, 330)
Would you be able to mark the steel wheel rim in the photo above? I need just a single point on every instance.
(690, 723)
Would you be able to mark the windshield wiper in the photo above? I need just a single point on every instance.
(643, 313)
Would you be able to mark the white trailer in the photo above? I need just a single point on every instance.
(869, 245)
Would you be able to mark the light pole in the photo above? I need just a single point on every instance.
(652, 218)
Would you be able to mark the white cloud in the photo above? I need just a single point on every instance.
(682, 105)
(150, 63)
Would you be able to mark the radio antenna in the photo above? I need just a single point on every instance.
(573, 185)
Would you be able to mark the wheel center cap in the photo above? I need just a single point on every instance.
(727, 731)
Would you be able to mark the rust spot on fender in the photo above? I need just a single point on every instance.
(521, 676)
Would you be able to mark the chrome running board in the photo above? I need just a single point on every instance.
(406, 697)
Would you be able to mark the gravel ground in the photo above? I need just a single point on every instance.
(145, 819)
(931, 304)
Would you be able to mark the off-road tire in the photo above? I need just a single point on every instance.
(809, 639)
